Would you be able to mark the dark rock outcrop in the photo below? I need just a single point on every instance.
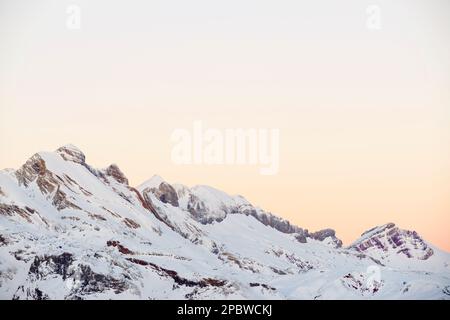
(120, 247)
(53, 264)
(204, 282)
(83, 279)
(35, 169)
(114, 172)
(165, 193)
(268, 219)
(71, 153)
(324, 234)
(200, 212)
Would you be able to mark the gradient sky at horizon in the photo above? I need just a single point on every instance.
(364, 115)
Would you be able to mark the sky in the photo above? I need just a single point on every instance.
(363, 110)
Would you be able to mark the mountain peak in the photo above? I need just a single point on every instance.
(114, 172)
(69, 152)
(389, 240)
(378, 229)
(322, 235)
(153, 182)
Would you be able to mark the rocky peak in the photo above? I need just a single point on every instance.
(114, 172)
(70, 152)
(153, 182)
(388, 238)
(323, 234)
(327, 233)
(34, 167)
(379, 229)
(165, 193)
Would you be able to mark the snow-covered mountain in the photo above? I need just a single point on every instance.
(70, 231)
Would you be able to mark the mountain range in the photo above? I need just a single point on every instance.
(71, 231)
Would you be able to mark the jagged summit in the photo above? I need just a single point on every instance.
(378, 229)
(70, 152)
(114, 171)
(388, 239)
(153, 182)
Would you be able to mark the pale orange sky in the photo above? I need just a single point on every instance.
(364, 115)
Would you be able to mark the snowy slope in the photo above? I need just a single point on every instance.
(70, 231)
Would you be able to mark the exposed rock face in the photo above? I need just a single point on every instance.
(389, 237)
(121, 248)
(321, 235)
(3, 241)
(275, 222)
(166, 193)
(200, 212)
(43, 266)
(80, 279)
(285, 226)
(71, 153)
(61, 202)
(92, 282)
(302, 236)
(114, 172)
(176, 278)
(35, 168)
(362, 283)
(130, 223)
(324, 234)
(194, 233)
(10, 210)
